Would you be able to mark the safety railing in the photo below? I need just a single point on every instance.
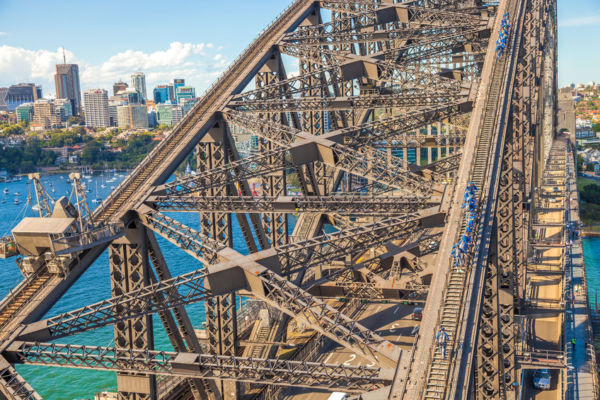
(542, 358)
(65, 243)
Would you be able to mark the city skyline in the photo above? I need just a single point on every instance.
(199, 54)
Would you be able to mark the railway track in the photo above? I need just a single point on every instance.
(21, 297)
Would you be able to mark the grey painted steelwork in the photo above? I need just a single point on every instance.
(377, 81)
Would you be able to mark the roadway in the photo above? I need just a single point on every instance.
(545, 283)
(393, 321)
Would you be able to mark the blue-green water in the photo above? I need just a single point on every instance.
(94, 285)
(591, 252)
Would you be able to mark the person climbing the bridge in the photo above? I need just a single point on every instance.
(502, 41)
(573, 341)
(441, 339)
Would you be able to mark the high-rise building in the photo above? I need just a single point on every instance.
(132, 116)
(152, 118)
(119, 86)
(25, 112)
(176, 84)
(67, 85)
(162, 94)
(63, 108)
(113, 116)
(131, 96)
(168, 114)
(45, 115)
(184, 92)
(96, 108)
(188, 104)
(138, 81)
(15, 95)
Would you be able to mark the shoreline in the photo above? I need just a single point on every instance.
(67, 171)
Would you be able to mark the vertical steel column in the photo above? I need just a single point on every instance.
(314, 121)
(221, 316)
(276, 224)
(129, 270)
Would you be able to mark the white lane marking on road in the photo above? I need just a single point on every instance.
(352, 358)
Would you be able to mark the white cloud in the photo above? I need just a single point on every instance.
(580, 21)
(18, 64)
(191, 61)
(3, 33)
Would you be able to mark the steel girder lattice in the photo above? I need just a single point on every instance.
(275, 224)
(377, 77)
(220, 310)
(290, 373)
(129, 271)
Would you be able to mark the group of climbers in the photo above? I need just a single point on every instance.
(502, 41)
(459, 250)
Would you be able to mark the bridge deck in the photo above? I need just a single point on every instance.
(545, 279)
(580, 380)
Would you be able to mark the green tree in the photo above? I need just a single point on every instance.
(75, 120)
(589, 167)
(591, 193)
(91, 153)
(12, 130)
(579, 163)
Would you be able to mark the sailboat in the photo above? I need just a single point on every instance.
(98, 199)
(87, 171)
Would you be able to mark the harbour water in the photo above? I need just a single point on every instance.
(591, 251)
(62, 383)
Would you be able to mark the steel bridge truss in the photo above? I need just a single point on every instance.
(376, 82)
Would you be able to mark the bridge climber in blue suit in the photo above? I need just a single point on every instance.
(502, 41)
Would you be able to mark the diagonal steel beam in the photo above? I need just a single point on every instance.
(423, 45)
(13, 386)
(271, 371)
(326, 248)
(177, 322)
(292, 300)
(191, 241)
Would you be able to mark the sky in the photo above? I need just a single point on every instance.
(195, 40)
